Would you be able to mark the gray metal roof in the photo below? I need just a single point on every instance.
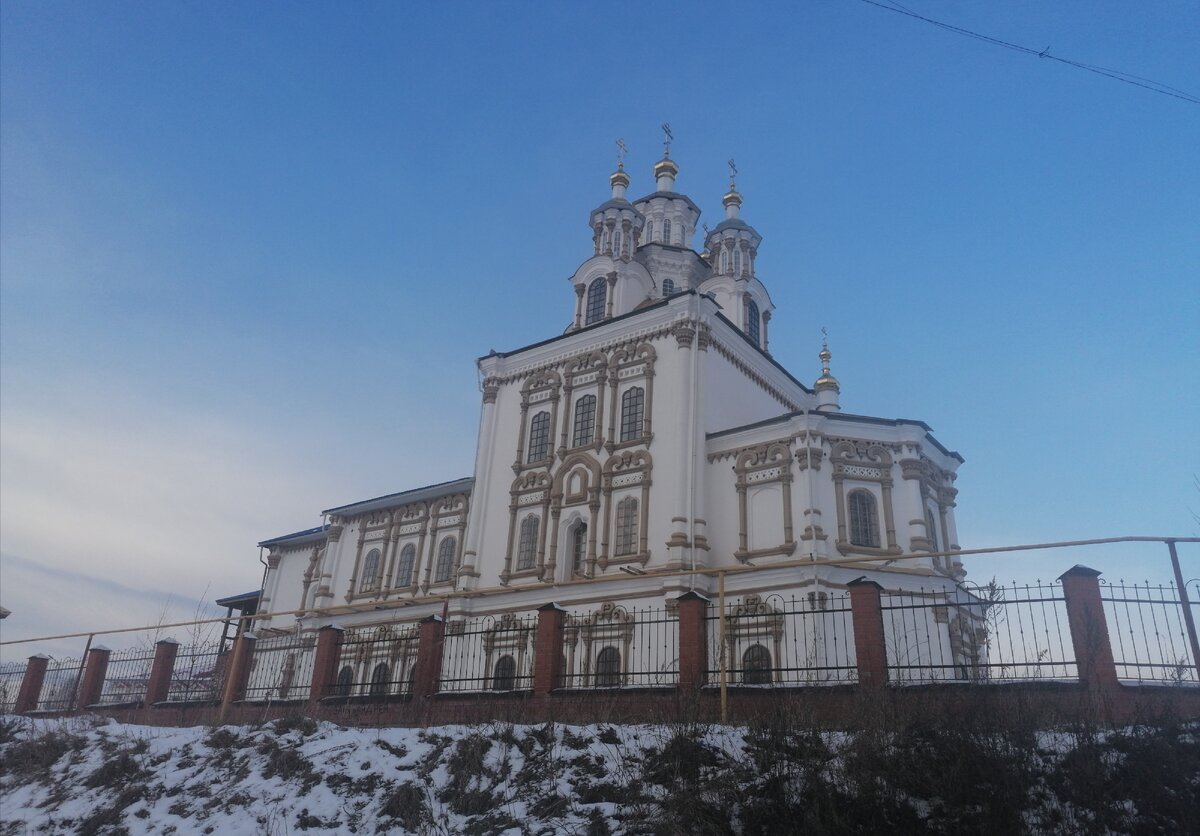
(672, 195)
(298, 536)
(403, 498)
(733, 223)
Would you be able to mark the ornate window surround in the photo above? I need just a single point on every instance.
(609, 626)
(588, 467)
(764, 464)
(621, 472)
(583, 375)
(447, 517)
(863, 464)
(753, 621)
(630, 366)
(937, 494)
(541, 388)
(530, 493)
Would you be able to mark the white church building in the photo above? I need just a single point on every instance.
(653, 438)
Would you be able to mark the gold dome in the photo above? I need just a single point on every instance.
(619, 177)
(665, 165)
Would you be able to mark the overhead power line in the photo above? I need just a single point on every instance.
(1117, 75)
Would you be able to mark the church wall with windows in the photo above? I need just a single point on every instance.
(651, 433)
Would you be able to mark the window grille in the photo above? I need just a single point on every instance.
(408, 557)
(668, 287)
(380, 677)
(445, 561)
(608, 668)
(627, 511)
(585, 420)
(504, 676)
(345, 681)
(370, 575)
(633, 405)
(528, 542)
(539, 437)
(756, 665)
(752, 321)
(864, 520)
(597, 296)
(579, 548)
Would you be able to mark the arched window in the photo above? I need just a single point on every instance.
(527, 545)
(633, 408)
(579, 548)
(627, 526)
(737, 261)
(864, 520)
(408, 557)
(370, 573)
(617, 244)
(667, 230)
(380, 679)
(724, 260)
(931, 533)
(345, 681)
(648, 232)
(668, 287)
(756, 665)
(608, 668)
(539, 437)
(585, 421)
(752, 320)
(445, 561)
(597, 295)
(504, 675)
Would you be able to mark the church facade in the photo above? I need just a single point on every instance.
(653, 441)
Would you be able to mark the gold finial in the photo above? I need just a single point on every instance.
(622, 150)
(826, 380)
(668, 137)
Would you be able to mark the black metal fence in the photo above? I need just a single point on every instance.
(805, 639)
(984, 633)
(616, 647)
(487, 653)
(11, 676)
(58, 688)
(127, 676)
(199, 673)
(1147, 631)
(282, 667)
(375, 661)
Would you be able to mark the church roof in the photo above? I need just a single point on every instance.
(403, 498)
(615, 203)
(308, 533)
(731, 223)
(843, 416)
(672, 196)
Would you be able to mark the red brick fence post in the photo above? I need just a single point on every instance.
(693, 640)
(548, 648)
(161, 671)
(1089, 627)
(31, 683)
(92, 684)
(870, 650)
(325, 662)
(428, 669)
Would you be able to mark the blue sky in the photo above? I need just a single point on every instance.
(249, 253)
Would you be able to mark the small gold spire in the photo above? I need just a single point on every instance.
(826, 380)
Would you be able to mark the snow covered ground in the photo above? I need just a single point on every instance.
(90, 775)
